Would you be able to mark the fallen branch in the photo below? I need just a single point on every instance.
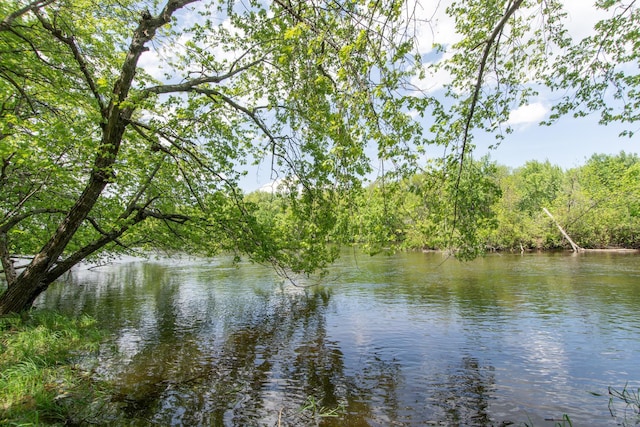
(575, 247)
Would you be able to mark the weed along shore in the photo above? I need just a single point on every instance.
(47, 362)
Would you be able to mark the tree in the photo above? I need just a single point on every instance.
(510, 51)
(600, 73)
(608, 213)
(453, 211)
(102, 154)
(98, 154)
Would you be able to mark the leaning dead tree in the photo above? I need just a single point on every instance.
(575, 247)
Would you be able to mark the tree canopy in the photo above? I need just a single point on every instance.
(128, 124)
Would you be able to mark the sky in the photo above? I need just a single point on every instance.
(568, 143)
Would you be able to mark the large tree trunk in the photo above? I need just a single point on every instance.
(21, 293)
(42, 271)
(20, 296)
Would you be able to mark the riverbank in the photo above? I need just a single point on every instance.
(47, 370)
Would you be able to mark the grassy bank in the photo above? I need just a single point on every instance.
(45, 373)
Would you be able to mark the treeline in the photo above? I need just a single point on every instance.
(485, 207)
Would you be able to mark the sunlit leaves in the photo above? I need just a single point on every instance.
(137, 126)
(601, 70)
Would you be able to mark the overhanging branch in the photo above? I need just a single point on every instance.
(109, 237)
(488, 45)
(196, 82)
(79, 58)
(11, 222)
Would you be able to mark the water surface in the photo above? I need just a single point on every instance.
(410, 339)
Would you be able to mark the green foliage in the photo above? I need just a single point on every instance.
(525, 191)
(600, 73)
(450, 208)
(610, 193)
(99, 155)
(596, 204)
(42, 379)
(377, 218)
(128, 125)
(494, 209)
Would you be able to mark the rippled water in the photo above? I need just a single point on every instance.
(411, 339)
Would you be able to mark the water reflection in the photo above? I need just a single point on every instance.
(403, 340)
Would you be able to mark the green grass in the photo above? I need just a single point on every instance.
(313, 409)
(41, 379)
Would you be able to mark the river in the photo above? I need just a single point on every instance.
(411, 339)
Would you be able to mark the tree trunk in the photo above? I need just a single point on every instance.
(20, 296)
(575, 247)
(42, 271)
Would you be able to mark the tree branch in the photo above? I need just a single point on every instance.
(77, 55)
(108, 237)
(15, 220)
(192, 84)
(145, 32)
(511, 9)
(256, 119)
(117, 118)
(5, 24)
(7, 263)
(173, 140)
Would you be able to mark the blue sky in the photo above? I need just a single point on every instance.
(568, 143)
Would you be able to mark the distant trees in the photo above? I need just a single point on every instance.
(525, 191)
(598, 204)
(603, 206)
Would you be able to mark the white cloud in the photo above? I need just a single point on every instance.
(528, 114)
(272, 186)
(434, 25)
(582, 17)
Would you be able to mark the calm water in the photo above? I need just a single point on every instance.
(411, 339)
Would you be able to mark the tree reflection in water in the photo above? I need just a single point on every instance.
(465, 393)
(219, 345)
(262, 371)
